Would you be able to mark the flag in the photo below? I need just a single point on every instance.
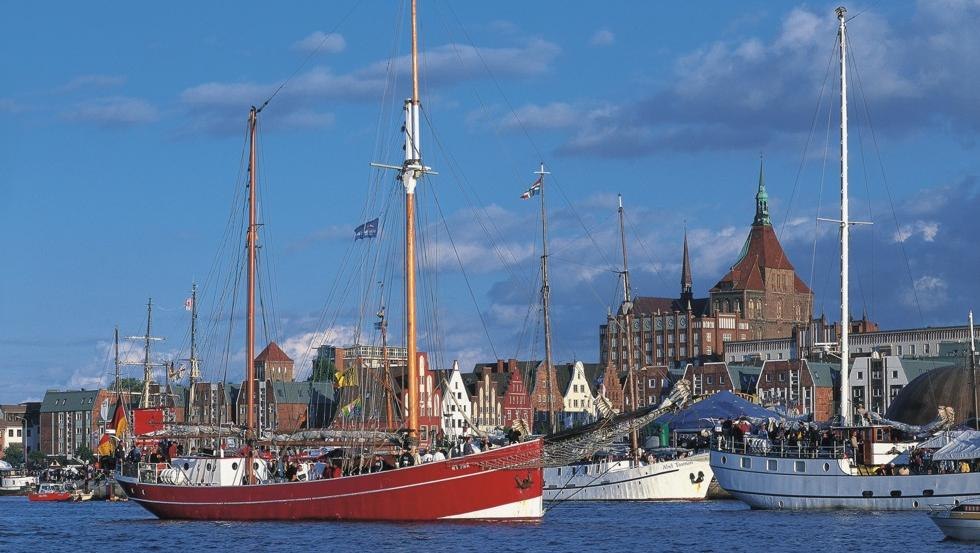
(188, 304)
(367, 230)
(351, 408)
(105, 448)
(118, 423)
(533, 191)
(346, 377)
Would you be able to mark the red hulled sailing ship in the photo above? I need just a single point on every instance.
(497, 484)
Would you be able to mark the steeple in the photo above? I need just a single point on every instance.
(762, 199)
(687, 282)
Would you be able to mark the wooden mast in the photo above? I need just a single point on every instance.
(546, 302)
(251, 240)
(147, 366)
(413, 156)
(628, 334)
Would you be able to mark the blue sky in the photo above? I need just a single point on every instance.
(121, 137)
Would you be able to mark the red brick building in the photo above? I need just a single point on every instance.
(274, 364)
(499, 394)
(797, 387)
(540, 394)
(70, 420)
(709, 378)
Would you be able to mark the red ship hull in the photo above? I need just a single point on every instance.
(473, 487)
(49, 496)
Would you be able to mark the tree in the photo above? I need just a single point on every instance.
(84, 453)
(130, 385)
(37, 458)
(14, 454)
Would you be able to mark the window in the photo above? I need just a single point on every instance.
(746, 463)
(899, 350)
(771, 464)
(10, 432)
(860, 375)
(721, 379)
(894, 374)
(711, 379)
(799, 466)
(768, 377)
(926, 348)
(912, 349)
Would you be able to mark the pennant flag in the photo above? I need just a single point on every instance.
(118, 423)
(367, 230)
(105, 448)
(351, 408)
(188, 304)
(534, 190)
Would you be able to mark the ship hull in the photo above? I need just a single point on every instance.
(823, 484)
(478, 487)
(683, 479)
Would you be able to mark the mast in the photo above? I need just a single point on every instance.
(546, 301)
(845, 406)
(147, 366)
(195, 374)
(250, 301)
(409, 173)
(973, 374)
(115, 386)
(386, 372)
(627, 311)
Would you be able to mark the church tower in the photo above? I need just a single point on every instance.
(687, 281)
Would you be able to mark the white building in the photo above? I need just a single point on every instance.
(578, 400)
(456, 405)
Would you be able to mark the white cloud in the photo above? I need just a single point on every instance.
(602, 37)
(320, 42)
(91, 81)
(300, 347)
(113, 112)
(932, 293)
(926, 229)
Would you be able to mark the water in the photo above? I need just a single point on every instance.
(711, 526)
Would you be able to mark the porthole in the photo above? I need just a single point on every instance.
(187, 466)
(724, 460)
(928, 493)
(896, 493)
(234, 466)
(780, 503)
(956, 502)
(915, 504)
(255, 466)
(867, 493)
(208, 466)
(826, 467)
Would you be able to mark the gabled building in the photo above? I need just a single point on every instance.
(456, 405)
(709, 378)
(430, 401)
(500, 396)
(578, 400)
(762, 287)
(273, 364)
(540, 393)
(611, 388)
(797, 388)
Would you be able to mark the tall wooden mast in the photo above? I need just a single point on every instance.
(628, 331)
(546, 301)
(147, 366)
(251, 238)
(409, 173)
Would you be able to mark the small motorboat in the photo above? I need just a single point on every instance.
(958, 522)
(81, 495)
(50, 491)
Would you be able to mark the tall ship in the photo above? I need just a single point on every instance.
(666, 474)
(858, 468)
(503, 483)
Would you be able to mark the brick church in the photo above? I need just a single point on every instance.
(760, 297)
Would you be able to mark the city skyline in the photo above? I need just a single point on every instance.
(121, 163)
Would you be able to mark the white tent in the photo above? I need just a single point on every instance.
(5, 465)
(964, 446)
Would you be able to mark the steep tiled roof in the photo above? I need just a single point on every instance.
(761, 250)
(648, 305)
(78, 400)
(273, 352)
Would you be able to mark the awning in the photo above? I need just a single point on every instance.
(964, 446)
(706, 412)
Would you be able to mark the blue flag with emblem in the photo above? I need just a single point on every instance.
(367, 230)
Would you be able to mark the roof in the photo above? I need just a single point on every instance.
(302, 393)
(592, 373)
(702, 414)
(77, 400)
(761, 250)
(824, 374)
(648, 305)
(915, 368)
(273, 352)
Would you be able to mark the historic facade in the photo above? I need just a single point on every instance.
(760, 297)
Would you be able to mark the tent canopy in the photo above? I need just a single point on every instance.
(715, 407)
(964, 446)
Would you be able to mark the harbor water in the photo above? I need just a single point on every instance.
(716, 526)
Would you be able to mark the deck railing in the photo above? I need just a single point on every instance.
(766, 448)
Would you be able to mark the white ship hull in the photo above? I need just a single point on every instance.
(683, 479)
(810, 484)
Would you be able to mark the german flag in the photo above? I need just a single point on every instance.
(119, 423)
(105, 448)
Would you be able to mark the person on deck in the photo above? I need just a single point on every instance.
(439, 455)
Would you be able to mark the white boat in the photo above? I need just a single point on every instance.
(958, 522)
(15, 481)
(834, 477)
(687, 478)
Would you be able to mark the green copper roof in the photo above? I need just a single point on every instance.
(762, 200)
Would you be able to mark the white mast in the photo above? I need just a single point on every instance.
(845, 405)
